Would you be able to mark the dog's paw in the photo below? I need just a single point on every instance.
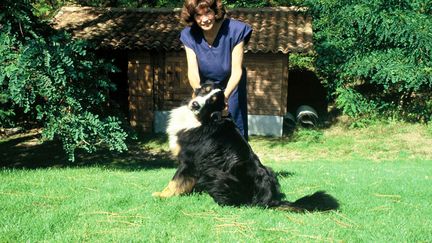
(163, 194)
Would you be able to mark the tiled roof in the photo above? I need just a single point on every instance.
(283, 29)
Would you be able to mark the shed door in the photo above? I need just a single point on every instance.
(140, 78)
(175, 85)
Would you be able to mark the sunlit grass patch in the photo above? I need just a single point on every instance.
(381, 178)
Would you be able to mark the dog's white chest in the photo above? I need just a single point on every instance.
(181, 118)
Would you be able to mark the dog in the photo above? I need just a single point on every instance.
(215, 158)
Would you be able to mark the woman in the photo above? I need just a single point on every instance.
(214, 50)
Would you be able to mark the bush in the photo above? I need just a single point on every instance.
(49, 79)
(376, 56)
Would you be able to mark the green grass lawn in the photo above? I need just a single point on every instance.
(382, 177)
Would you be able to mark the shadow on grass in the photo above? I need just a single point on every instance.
(284, 174)
(25, 152)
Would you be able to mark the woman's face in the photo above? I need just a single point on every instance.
(205, 18)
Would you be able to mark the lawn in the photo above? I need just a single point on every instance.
(381, 175)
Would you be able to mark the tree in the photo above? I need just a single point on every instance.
(376, 56)
(49, 79)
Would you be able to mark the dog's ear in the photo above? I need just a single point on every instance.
(207, 86)
(217, 86)
(212, 84)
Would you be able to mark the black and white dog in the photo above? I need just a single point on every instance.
(216, 159)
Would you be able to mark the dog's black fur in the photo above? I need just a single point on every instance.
(221, 162)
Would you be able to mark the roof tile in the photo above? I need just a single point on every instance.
(282, 29)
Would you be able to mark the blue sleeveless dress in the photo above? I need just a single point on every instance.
(214, 63)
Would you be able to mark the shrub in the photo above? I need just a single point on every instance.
(51, 80)
(376, 56)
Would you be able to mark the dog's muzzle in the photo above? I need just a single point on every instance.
(195, 106)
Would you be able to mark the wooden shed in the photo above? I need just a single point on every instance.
(157, 68)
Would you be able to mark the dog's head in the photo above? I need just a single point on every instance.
(209, 101)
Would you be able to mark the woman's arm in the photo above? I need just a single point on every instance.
(193, 73)
(236, 69)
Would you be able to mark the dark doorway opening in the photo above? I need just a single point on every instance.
(119, 98)
(304, 88)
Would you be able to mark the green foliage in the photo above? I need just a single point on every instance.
(46, 8)
(6, 112)
(308, 136)
(302, 61)
(354, 103)
(86, 131)
(376, 56)
(56, 82)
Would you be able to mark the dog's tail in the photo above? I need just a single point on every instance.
(319, 201)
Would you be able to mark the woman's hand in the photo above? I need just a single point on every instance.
(194, 90)
(225, 111)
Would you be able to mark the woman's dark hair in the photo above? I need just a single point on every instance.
(191, 7)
